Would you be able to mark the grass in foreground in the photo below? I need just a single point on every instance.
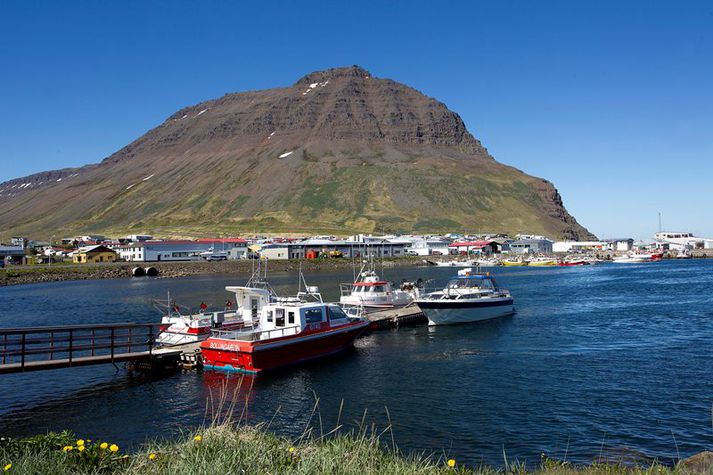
(226, 449)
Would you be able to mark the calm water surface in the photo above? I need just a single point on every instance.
(612, 360)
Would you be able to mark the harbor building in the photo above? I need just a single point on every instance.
(681, 241)
(314, 248)
(14, 254)
(534, 245)
(426, 246)
(180, 250)
(94, 254)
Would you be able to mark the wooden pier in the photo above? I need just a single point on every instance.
(396, 317)
(44, 348)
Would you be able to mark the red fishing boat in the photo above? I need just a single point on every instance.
(289, 331)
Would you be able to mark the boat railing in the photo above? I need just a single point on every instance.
(346, 289)
(253, 335)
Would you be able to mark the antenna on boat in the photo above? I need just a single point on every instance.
(660, 229)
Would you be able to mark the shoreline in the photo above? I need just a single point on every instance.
(22, 275)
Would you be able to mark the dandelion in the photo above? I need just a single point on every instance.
(80, 442)
(114, 448)
(103, 445)
(67, 448)
(198, 438)
(451, 463)
(152, 457)
(80, 448)
(292, 449)
(7, 467)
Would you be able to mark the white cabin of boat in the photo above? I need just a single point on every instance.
(282, 317)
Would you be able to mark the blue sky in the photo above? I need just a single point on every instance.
(611, 101)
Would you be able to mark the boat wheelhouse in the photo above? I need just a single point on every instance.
(469, 297)
(288, 331)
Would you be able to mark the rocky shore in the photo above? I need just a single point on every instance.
(37, 274)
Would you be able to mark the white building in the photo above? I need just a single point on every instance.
(577, 246)
(177, 250)
(426, 245)
(681, 241)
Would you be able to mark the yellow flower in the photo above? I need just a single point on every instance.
(68, 448)
(451, 463)
(292, 449)
(198, 438)
(80, 448)
(103, 445)
(80, 442)
(152, 456)
(114, 448)
(7, 467)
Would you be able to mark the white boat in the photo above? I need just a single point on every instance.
(370, 292)
(180, 325)
(455, 263)
(637, 257)
(469, 297)
(487, 262)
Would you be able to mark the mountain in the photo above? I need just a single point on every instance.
(339, 151)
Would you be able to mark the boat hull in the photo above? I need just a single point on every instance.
(450, 312)
(259, 356)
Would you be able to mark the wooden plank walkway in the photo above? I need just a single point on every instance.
(67, 346)
(396, 317)
(139, 356)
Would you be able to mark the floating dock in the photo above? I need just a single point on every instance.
(396, 317)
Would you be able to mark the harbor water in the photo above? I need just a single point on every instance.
(610, 361)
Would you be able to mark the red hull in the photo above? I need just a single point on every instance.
(258, 356)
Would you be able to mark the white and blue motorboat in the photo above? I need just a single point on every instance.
(469, 297)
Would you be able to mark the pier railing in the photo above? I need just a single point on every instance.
(33, 348)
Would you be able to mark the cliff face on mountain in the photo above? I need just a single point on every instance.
(339, 151)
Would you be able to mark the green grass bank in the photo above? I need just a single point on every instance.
(228, 449)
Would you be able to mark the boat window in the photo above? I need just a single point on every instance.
(280, 317)
(269, 315)
(336, 313)
(290, 317)
(313, 315)
(487, 284)
(377, 288)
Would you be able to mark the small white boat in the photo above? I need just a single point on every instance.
(455, 263)
(637, 257)
(487, 262)
(179, 325)
(370, 292)
(469, 297)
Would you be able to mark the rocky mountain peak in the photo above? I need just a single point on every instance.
(333, 73)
